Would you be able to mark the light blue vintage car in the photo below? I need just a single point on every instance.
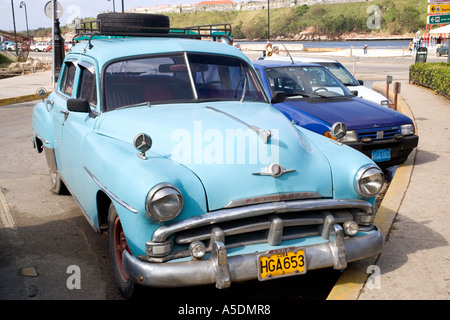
(172, 145)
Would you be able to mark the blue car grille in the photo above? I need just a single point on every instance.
(378, 133)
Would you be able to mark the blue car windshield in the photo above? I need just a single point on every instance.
(304, 81)
(340, 72)
(179, 78)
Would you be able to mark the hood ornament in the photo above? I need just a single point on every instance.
(142, 142)
(274, 170)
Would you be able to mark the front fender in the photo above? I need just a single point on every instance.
(43, 125)
(344, 162)
(115, 166)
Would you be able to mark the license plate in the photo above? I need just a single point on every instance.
(381, 155)
(281, 263)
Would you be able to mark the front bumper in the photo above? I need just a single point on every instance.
(400, 149)
(221, 269)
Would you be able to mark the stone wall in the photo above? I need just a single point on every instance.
(250, 5)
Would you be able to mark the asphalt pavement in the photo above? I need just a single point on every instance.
(414, 219)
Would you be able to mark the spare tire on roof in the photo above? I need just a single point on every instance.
(129, 23)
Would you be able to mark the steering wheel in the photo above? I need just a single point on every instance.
(320, 88)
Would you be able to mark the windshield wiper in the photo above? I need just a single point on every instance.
(294, 94)
(139, 104)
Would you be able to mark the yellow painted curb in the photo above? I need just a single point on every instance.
(353, 279)
(26, 98)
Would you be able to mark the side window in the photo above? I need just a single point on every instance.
(88, 85)
(68, 78)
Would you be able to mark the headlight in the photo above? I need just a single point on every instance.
(369, 181)
(407, 129)
(164, 202)
(350, 137)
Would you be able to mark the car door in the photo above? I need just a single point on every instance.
(78, 81)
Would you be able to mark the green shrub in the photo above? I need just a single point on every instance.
(5, 61)
(435, 76)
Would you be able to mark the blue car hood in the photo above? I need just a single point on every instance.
(214, 142)
(356, 113)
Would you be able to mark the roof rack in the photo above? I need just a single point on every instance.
(89, 29)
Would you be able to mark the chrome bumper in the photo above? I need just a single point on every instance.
(222, 269)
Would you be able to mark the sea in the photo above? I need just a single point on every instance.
(347, 44)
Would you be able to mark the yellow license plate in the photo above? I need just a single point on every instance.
(281, 263)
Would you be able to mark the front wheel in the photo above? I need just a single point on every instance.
(117, 244)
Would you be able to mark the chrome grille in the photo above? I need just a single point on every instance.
(378, 133)
(269, 223)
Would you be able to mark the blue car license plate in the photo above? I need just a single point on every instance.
(381, 155)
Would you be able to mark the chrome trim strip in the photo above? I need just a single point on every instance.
(191, 77)
(163, 232)
(262, 133)
(42, 139)
(112, 195)
(287, 196)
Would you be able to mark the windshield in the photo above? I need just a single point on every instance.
(341, 73)
(179, 78)
(297, 81)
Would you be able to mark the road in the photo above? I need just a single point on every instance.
(47, 234)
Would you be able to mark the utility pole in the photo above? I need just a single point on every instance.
(268, 21)
(14, 24)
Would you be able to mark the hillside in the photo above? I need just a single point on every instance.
(324, 21)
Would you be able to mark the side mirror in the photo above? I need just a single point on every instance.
(278, 97)
(361, 82)
(78, 105)
(354, 92)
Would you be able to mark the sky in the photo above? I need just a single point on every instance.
(71, 9)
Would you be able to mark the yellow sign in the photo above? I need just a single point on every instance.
(439, 8)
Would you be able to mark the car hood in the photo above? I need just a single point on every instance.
(214, 141)
(368, 94)
(355, 112)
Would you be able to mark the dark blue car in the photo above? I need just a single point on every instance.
(317, 100)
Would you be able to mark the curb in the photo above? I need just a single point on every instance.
(353, 279)
(25, 98)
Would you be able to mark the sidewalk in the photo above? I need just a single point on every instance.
(414, 215)
(23, 88)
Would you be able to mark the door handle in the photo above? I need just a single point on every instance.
(66, 114)
(49, 102)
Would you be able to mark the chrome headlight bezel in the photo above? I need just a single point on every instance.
(164, 202)
(408, 129)
(369, 181)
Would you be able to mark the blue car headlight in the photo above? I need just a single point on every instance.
(369, 181)
(407, 129)
(164, 202)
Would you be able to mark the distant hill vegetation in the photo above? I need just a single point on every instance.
(326, 21)
(307, 22)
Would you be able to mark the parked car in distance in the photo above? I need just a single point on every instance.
(172, 145)
(441, 51)
(316, 100)
(39, 46)
(345, 76)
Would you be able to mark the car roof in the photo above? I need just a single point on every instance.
(270, 63)
(112, 48)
